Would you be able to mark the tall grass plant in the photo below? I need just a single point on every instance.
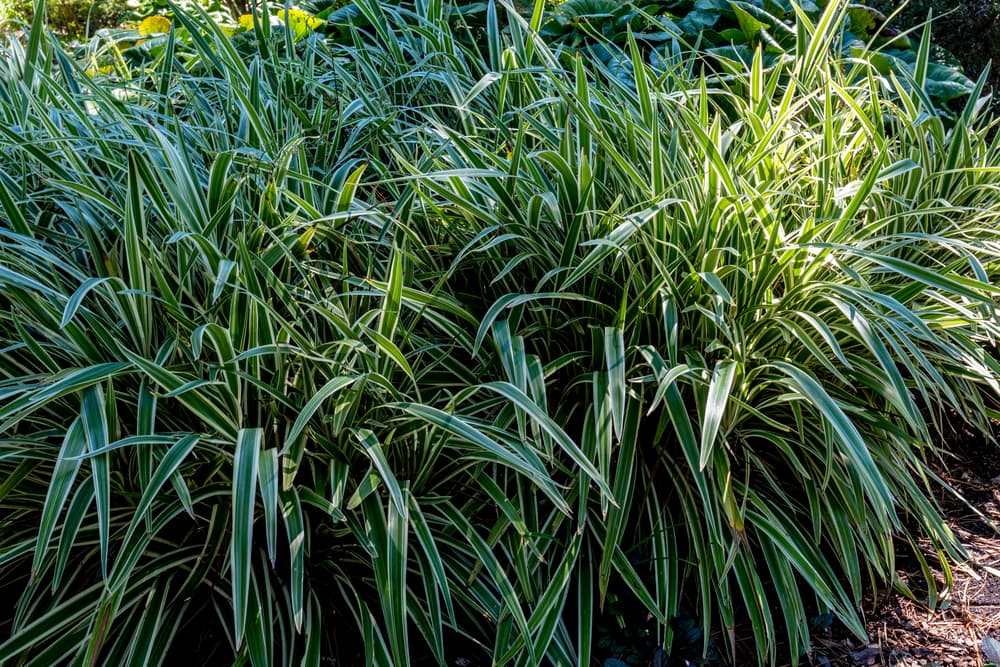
(435, 341)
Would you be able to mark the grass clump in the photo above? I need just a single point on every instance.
(441, 342)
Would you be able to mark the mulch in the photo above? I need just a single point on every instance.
(964, 630)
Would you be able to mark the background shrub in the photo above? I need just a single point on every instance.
(74, 19)
(968, 29)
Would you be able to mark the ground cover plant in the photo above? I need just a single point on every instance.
(461, 342)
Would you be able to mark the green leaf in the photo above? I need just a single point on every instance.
(291, 508)
(715, 408)
(63, 476)
(73, 304)
(512, 300)
(205, 408)
(245, 466)
(614, 355)
(75, 515)
(62, 384)
(310, 408)
(615, 241)
(854, 443)
(168, 466)
(749, 24)
(389, 315)
(390, 574)
(465, 431)
(521, 400)
(373, 449)
(268, 481)
(95, 426)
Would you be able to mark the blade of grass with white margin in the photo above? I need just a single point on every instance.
(245, 465)
(164, 471)
(68, 382)
(71, 526)
(310, 408)
(461, 428)
(268, 481)
(373, 449)
(511, 600)
(74, 610)
(625, 473)
(390, 572)
(291, 509)
(206, 408)
(294, 448)
(614, 355)
(715, 407)
(521, 400)
(425, 537)
(140, 653)
(856, 448)
(95, 427)
(63, 475)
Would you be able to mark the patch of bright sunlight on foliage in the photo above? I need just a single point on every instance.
(300, 22)
(153, 24)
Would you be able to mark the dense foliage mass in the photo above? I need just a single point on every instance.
(440, 335)
(968, 29)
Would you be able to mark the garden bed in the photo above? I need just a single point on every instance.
(905, 633)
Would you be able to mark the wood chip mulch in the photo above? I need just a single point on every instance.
(964, 630)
